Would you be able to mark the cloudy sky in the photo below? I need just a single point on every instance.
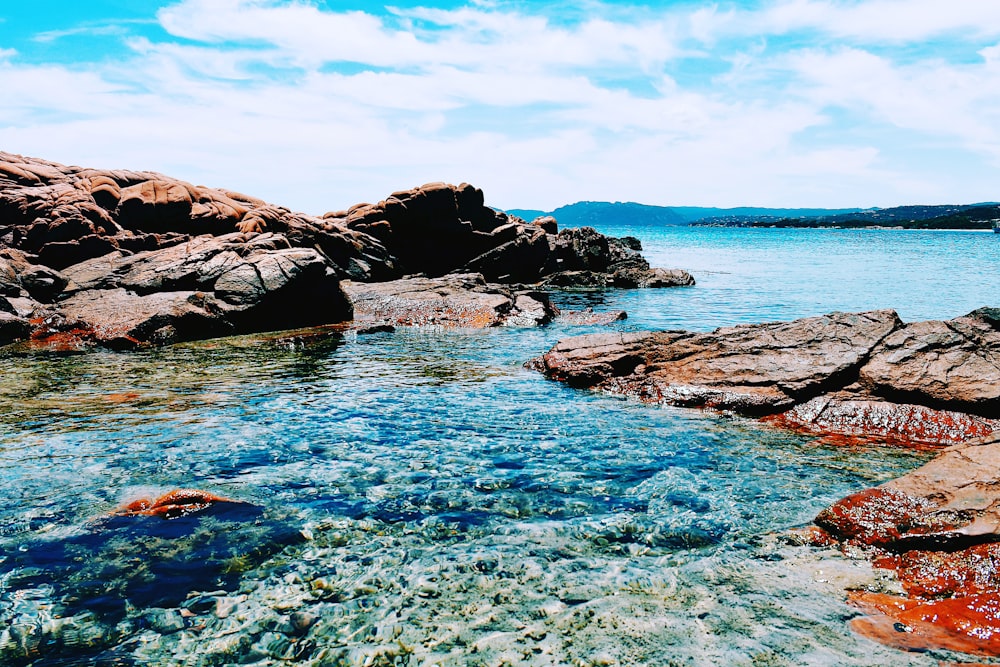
(317, 105)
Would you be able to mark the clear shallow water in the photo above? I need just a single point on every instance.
(420, 498)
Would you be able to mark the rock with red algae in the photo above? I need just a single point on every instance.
(938, 574)
(879, 517)
(752, 369)
(831, 376)
(938, 529)
(899, 424)
(968, 624)
(178, 502)
(950, 502)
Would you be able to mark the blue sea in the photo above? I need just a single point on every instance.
(420, 498)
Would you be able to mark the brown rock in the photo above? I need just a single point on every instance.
(457, 300)
(753, 369)
(953, 364)
(938, 529)
(210, 286)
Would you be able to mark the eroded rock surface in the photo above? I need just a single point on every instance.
(849, 374)
(209, 286)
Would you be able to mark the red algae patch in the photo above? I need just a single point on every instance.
(968, 624)
(953, 603)
(898, 424)
(178, 502)
(879, 517)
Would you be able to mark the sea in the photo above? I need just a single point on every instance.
(421, 498)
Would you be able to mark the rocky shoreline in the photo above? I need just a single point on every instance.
(124, 259)
(850, 377)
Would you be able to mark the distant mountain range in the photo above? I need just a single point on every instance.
(599, 214)
(589, 213)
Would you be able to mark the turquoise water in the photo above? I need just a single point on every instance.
(420, 498)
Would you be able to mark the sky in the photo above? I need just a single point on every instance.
(317, 105)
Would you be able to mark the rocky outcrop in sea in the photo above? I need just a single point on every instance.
(127, 258)
(843, 374)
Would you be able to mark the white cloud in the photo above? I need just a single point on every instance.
(318, 109)
(878, 21)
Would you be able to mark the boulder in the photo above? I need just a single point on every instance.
(211, 286)
(854, 375)
(457, 300)
(950, 365)
(12, 327)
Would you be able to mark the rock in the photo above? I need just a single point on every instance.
(843, 375)
(949, 365)
(457, 300)
(968, 624)
(164, 621)
(752, 369)
(126, 258)
(589, 317)
(178, 502)
(210, 286)
(938, 529)
(951, 500)
(12, 327)
(843, 419)
(666, 278)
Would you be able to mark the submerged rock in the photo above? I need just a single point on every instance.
(173, 504)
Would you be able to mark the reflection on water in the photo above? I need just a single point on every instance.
(414, 498)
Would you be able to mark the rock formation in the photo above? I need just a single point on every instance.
(844, 374)
(125, 258)
(938, 530)
(457, 300)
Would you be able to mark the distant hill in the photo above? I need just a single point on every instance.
(961, 216)
(600, 213)
(594, 213)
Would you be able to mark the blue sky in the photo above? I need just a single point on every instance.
(319, 105)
